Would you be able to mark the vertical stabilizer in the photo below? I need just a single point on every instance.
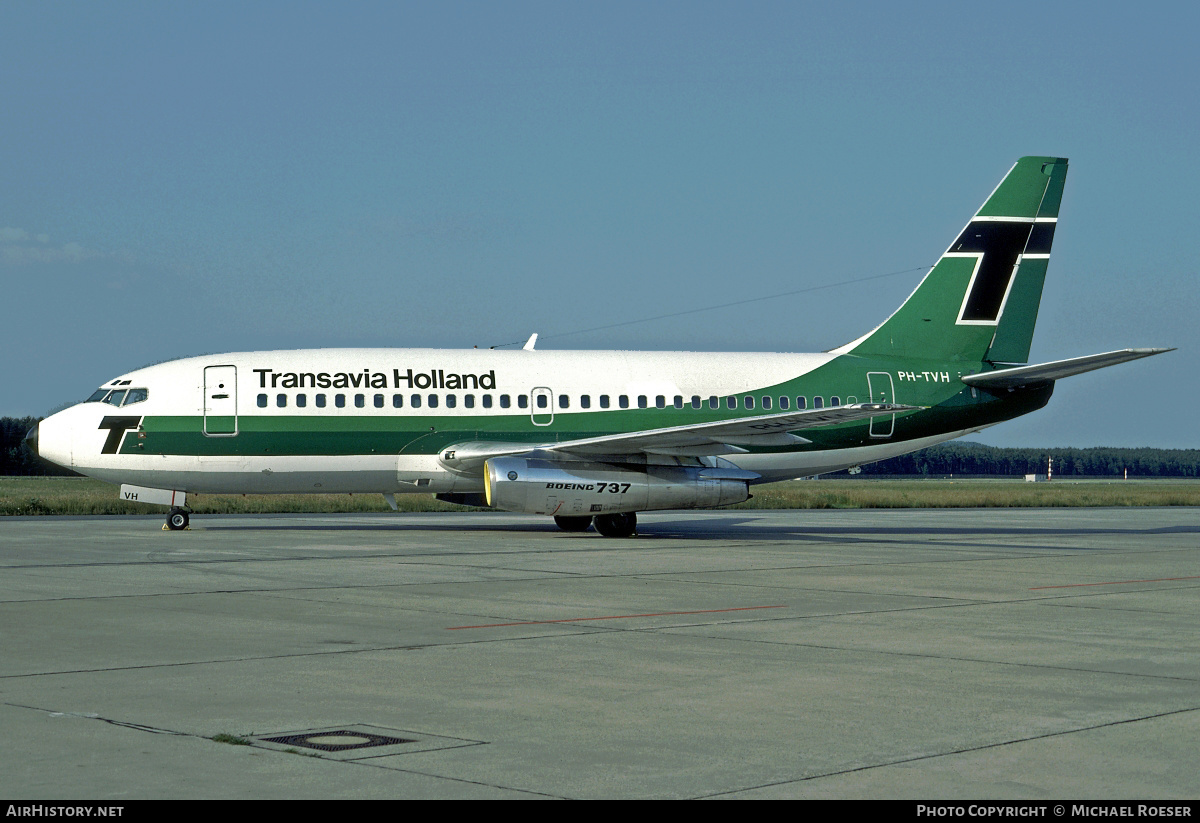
(980, 301)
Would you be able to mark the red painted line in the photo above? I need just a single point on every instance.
(1118, 582)
(610, 617)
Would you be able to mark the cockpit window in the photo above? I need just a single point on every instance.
(119, 397)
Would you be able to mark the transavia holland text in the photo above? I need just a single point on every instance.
(367, 379)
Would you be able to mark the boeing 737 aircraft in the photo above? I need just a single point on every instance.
(593, 437)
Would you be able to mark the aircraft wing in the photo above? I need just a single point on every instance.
(696, 440)
(1043, 372)
(725, 436)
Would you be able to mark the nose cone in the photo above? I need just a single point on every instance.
(53, 438)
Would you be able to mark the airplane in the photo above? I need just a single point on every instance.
(594, 437)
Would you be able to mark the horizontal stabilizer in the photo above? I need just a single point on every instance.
(1045, 372)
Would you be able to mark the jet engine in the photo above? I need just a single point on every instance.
(583, 489)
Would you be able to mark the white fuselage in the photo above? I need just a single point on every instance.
(374, 420)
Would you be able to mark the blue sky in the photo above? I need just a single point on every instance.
(189, 178)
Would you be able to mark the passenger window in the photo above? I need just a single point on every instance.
(541, 401)
(451, 401)
(397, 401)
(415, 401)
(469, 401)
(749, 402)
(818, 402)
(433, 401)
(281, 400)
(802, 402)
(320, 401)
(642, 401)
(487, 401)
(714, 402)
(339, 400)
(604, 401)
(660, 402)
(505, 401)
(766, 402)
(262, 401)
(835, 401)
(301, 400)
(523, 401)
(623, 401)
(695, 401)
(360, 401)
(379, 401)
(731, 402)
(783, 401)
(585, 401)
(564, 401)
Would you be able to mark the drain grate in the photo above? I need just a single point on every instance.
(358, 741)
(337, 740)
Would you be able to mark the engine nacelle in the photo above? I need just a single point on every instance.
(540, 486)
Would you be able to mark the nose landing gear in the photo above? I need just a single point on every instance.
(177, 519)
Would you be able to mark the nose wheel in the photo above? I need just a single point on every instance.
(177, 519)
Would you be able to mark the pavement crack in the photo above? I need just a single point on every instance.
(965, 750)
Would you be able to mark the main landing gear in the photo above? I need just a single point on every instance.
(610, 525)
(622, 524)
(572, 524)
(177, 519)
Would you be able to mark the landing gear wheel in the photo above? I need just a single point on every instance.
(573, 524)
(616, 525)
(177, 520)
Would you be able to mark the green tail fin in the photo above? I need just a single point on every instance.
(980, 301)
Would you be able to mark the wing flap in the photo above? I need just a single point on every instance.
(695, 440)
(767, 430)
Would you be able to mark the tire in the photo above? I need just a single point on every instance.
(622, 524)
(573, 524)
(177, 520)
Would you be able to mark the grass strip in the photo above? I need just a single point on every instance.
(84, 496)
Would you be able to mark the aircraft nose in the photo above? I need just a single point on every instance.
(31, 438)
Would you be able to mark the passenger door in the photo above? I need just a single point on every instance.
(220, 401)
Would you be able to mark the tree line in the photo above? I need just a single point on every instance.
(15, 456)
(967, 458)
(957, 458)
